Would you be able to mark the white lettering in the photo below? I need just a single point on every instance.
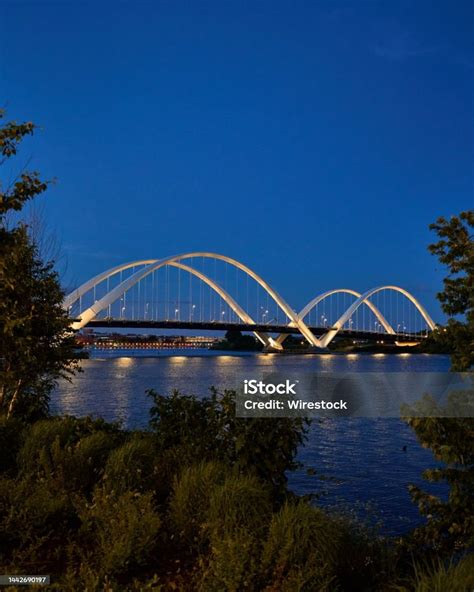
(253, 387)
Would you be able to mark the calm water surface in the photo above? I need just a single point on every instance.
(358, 462)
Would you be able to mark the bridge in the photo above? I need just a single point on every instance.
(209, 291)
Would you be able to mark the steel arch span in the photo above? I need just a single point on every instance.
(149, 266)
(364, 298)
(321, 297)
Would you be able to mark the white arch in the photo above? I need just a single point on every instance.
(84, 288)
(234, 305)
(290, 313)
(153, 265)
(315, 301)
(334, 330)
(309, 307)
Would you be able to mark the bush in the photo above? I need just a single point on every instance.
(440, 578)
(207, 429)
(186, 422)
(41, 437)
(237, 518)
(307, 549)
(84, 466)
(189, 504)
(232, 565)
(35, 522)
(241, 502)
(365, 560)
(301, 551)
(133, 466)
(65, 431)
(86, 496)
(121, 529)
(171, 465)
(69, 453)
(223, 515)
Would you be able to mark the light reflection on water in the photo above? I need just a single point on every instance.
(363, 458)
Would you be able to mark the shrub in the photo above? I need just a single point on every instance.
(132, 466)
(65, 431)
(84, 578)
(34, 523)
(307, 549)
(237, 518)
(301, 549)
(69, 453)
(207, 429)
(365, 560)
(241, 502)
(440, 578)
(41, 437)
(85, 465)
(186, 422)
(171, 465)
(189, 504)
(122, 529)
(232, 564)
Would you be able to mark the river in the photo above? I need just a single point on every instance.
(357, 463)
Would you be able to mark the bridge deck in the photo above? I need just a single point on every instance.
(261, 328)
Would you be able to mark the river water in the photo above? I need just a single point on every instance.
(355, 463)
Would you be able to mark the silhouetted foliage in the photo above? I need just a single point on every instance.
(450, 524)
(236, 341)
(36, 346)
(208, 429)
(455, 249)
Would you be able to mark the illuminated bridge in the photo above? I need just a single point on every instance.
(209, 291)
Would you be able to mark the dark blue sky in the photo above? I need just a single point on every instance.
(313, 141)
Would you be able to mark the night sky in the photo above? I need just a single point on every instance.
(313, 141)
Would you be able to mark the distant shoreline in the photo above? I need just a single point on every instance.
(157, 353)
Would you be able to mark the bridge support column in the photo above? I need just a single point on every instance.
(270, 344)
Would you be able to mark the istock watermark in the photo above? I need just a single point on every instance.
(259, 387)
(296, 405)
(357, 394)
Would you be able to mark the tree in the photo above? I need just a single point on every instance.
(455, 249)
(450, 524)
(36, 345)
(233, 336)
(235, 340)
